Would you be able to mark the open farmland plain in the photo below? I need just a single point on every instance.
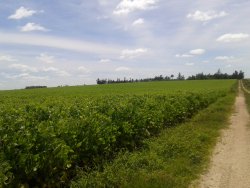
(246, 89)
(49, 137)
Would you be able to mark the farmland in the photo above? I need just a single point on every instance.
(48, 135)
(246, 84)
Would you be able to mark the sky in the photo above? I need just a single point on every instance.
(74, 42)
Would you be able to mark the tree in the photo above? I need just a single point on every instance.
(241, 75)
(180, 77)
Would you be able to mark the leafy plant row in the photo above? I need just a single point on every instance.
(246, 83)
(45, 143)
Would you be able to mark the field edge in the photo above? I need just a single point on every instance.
(174, 159)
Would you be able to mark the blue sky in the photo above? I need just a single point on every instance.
(75, 42)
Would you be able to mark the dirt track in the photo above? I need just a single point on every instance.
(230, 164)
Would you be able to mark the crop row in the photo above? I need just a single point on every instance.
(45, 143)
(246, 83)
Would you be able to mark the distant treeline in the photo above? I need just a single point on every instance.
(199, 76)
(124, 80)
(35, 87)
(217, 75)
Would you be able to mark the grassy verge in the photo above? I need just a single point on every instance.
(174, 159)
(247, 98)
(247, 95)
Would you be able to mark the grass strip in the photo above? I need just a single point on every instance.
(246, 84)
(173, 159)
(247, 98)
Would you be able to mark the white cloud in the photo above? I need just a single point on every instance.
(127, 6)
(25, 76)
(191, 53)
(46, 58)
(229, 37)
(183, 55)
(33, 27)
(103, 17)
(56, 71)
(122, 69)
(103, 2)
(60, 43)
(224, 58)
(197, 52)
(9, 76)
(63, 73)
(22, 75)
(7, 58)
(206, 16)
(189, 64)
(83, 69)
(228, 66)
(23, 68)
(22, 13)
(137, 22)
(130, 54)
(105, 61)
(50, 69)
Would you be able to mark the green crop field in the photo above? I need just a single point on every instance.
(128, 88)
(246, 84)
(47, 135)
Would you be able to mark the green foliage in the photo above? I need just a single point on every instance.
(246, 84)
(117, 89)
(173, 159)
(5, 171)
(45, 138)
